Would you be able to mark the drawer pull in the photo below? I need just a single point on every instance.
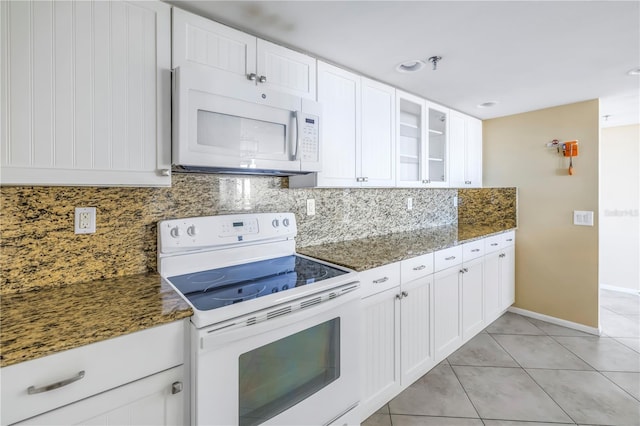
(32, 390)
(509, 239)
(381, 280)
(475, 250)
(449, 258)
(494, 244)
(419, 268)
(405, 294)
(464, 270)
(502, 255)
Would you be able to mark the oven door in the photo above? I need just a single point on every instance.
(296, 368)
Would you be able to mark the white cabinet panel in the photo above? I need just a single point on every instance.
(507, 277)
(466, 151)
(446, 295)
(411, 141)
(416, 329)
(472, 298)
(86, 87)
(492, 297)
(380, 379)
(286, 70)
(378, 134)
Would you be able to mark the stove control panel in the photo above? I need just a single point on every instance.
(205, 232)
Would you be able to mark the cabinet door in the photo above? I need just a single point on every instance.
(380, 354)
(473, 156)
(507, 277)
(339, 94)
(85, 93)
(286, 70)
(446, 297)
(155, 400)
(438, 146)
(492, 296)
(411, 140)
(417, 353)
(378, 134)
(472, 293)
(203, 43)
(457, 149)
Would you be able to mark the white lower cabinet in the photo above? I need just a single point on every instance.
(417, 312)
(446, 296)
(154, 400)
(137, 378)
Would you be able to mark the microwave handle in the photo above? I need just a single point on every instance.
(296, 116)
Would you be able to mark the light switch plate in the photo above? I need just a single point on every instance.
(583, 218)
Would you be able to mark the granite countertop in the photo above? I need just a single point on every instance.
(369, 253)
(44, 321)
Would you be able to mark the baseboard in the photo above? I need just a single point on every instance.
(556, 321)
(620, 289)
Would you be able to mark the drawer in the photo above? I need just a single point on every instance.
(508, 238)
(379, 279)
(88, 370)
(472, 250)
(493, 243)
(447, 258)
(416, 267)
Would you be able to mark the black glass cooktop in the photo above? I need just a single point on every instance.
(220, 287)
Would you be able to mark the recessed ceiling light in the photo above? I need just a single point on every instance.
(410, 66)
(635, 71)
(487, 104)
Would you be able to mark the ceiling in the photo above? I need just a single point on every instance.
(523, 55)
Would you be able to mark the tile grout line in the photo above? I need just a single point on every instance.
(534, 381)
(465, 391)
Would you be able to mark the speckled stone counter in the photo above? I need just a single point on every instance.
(44, 321)
(368, 253)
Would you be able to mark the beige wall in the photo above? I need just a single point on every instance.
(619, 203)
(556, 261)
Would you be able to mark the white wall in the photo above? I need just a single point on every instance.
(619, 203)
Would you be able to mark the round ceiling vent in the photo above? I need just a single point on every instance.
(410, 66)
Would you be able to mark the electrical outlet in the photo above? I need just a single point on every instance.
(455, 201)
(583, 218)
(409, 203)
(85, 220)
(311, 207)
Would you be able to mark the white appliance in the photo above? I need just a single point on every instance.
(221, 124)
(274, 335)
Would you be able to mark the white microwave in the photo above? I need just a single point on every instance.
(227, 125)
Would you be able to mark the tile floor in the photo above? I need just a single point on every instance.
(525, 372)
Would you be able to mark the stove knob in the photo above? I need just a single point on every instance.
(192, 231)
(176, 232)
(285, 221)
(275, 223)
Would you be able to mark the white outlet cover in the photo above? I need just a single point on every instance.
(311, 207)
(88, 227)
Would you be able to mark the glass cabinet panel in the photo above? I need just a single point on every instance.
(411, 140)
(438, 155)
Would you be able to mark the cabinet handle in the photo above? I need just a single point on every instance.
(381, 280)
(252, 76)
(510, 239)
(494, 244)
(399, 297)
(360, 179)
(467, 182)
(426, 181)
(502, 255)
(449, 258)
(262, 79)
(32, 390)
(405, 294)
(176, 387)
(464, 270)
(419, 268)
(165, 172)
(475, 250)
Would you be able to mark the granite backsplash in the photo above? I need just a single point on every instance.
(38, 246)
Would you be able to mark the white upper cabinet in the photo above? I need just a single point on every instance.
(438, 145)
(411, 140)
(465, 139)
(85, 93)
(198, 41)
(378, 134)
(358, 131)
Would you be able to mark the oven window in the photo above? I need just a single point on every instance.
(277, 376)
